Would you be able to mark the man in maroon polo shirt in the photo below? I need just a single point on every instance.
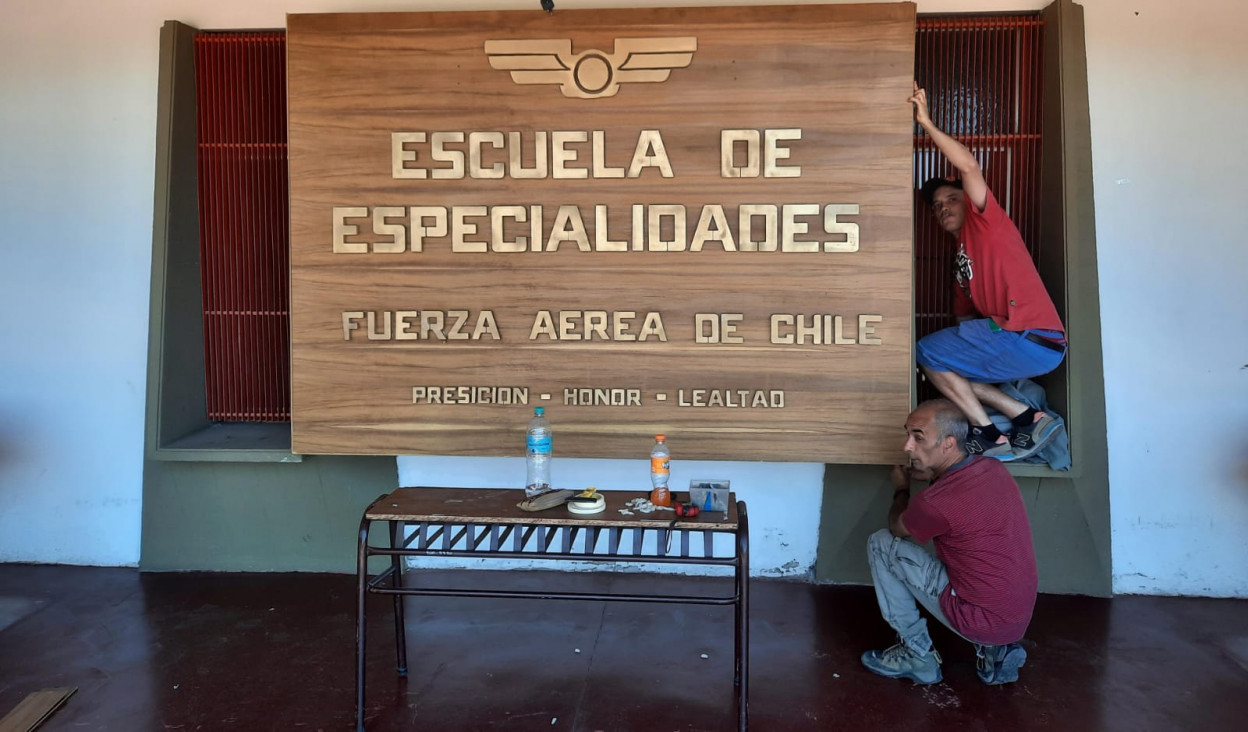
(982, 581)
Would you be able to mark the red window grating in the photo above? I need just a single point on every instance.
(240, 82)
(983, 81)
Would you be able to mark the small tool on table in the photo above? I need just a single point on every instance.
(686, 510)
(587, 501)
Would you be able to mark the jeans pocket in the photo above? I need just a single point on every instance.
(903, 559)
(932, 582)
(920, 576)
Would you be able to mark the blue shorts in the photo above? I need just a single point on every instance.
(978, 350)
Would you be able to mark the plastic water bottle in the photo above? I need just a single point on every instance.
(537, 454)
(660, 470)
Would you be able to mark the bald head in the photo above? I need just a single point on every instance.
(946, 420)
(935, 433)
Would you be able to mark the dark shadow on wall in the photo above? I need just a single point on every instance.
(8, 443)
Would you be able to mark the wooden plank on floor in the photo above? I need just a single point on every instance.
(35, 709)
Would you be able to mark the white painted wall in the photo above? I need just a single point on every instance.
(77, 142)
(1168, 83)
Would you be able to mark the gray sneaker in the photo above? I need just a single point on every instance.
(997, 665)
(1028, 441)
(900, 662)
(1003, 451)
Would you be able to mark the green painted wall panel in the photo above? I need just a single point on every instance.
(1065, 528)
(259, 517)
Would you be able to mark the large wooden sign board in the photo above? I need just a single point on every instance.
(694, 221)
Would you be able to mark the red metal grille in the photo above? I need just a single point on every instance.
(983, 81)
(244, 257)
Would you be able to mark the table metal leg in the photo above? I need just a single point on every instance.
(396, 581)
(361, 580)
(742, 666)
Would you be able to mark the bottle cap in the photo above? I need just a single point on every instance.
(539, 411)
(660, 438)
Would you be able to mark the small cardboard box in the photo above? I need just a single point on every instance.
(709, 494)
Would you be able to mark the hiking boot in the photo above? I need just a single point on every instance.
(977, 445)
(997, 665)
(900, 662)
(1027, 441)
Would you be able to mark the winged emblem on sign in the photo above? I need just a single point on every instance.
(591, 74)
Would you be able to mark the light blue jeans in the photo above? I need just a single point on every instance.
(904, 572)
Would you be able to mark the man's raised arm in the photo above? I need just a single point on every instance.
(973, 183)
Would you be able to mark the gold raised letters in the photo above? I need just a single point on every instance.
(491, 154)
(656, 227)
(420, 325)
(827, 330)
(588, 325)
(730, 141)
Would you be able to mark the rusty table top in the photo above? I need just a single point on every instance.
(499, 506)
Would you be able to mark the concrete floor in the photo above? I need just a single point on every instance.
(275, 652)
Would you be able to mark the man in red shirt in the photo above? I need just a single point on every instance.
(982, 581)
(1008, 327)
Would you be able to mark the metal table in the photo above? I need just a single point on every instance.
(486, 523)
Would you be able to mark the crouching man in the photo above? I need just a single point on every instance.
(982, 581)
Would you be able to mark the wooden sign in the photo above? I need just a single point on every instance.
(694, 221)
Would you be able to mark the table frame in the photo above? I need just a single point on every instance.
(485, 523)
